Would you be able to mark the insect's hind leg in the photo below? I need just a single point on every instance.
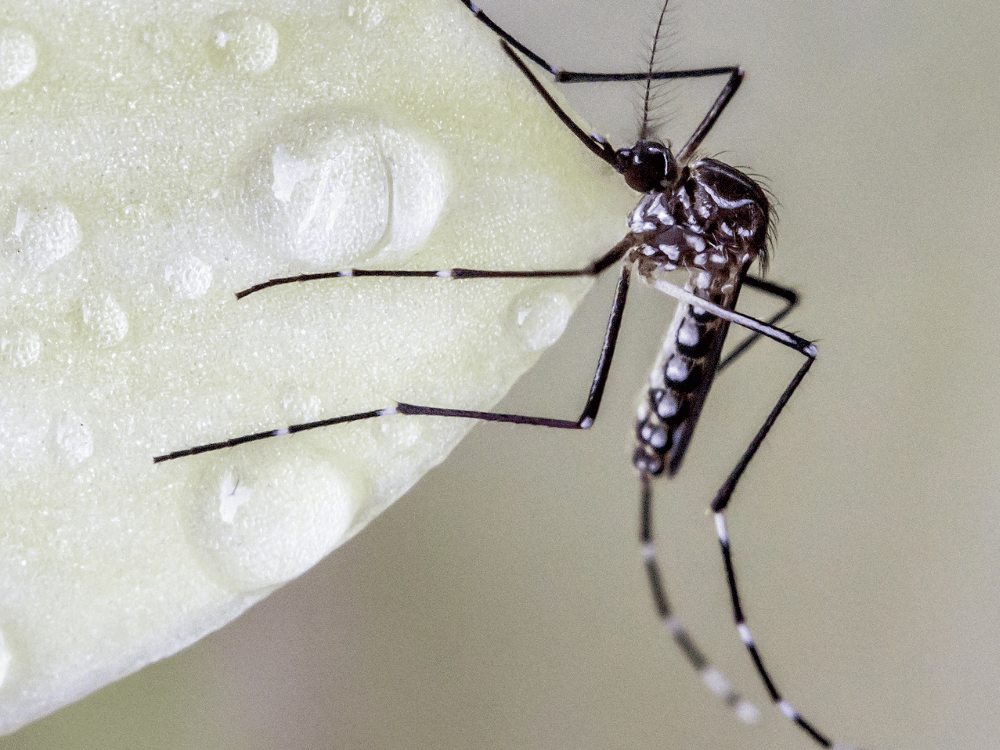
(719, 505)
(724, 495)
(710, 676)
(785, 293)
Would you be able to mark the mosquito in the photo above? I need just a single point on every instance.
(696, 215)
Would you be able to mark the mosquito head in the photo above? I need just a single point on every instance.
(648, 166)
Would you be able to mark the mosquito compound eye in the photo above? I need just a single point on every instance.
(647, 167)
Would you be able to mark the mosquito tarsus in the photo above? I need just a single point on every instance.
(695, 214)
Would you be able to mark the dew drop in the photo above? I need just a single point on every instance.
(18, 57)
(74, 439)
(260, 523)
(321, 197)
(189, 277)
(104, 320)
(333, 189)
(540, 319)
(420, 184)
(231, 497)
(21, 349)
(250, 43)
(367, 14)
(45, 234)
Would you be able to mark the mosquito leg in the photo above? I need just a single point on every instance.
(593, 405)
(585, 420)
(719, 505)
(570, 76)
(789, 295)
(596, 268)
(594, 142)
(598, 144)
(722, 498)
(712, 677)
(712, 116)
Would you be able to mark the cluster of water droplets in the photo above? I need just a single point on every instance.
(152, 168)
(98, 269)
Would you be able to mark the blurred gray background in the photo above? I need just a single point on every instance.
(502, 604)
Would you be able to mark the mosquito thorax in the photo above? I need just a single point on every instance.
(712, 220)
(648, 166)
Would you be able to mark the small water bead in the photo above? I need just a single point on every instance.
(21, 348)
(189, 278)
(43, 235)
(104, 320)
(74, 439)
(250, 42)
(540, 319)
(18, 57)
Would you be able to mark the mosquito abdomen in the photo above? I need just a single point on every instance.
(678, 385)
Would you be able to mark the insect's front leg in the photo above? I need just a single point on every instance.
(587, 415)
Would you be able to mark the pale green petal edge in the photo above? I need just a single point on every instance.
(157, 159)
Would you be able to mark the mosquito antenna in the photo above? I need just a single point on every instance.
(644, 128)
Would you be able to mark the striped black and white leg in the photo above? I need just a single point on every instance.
(713, 679)
(724, 495)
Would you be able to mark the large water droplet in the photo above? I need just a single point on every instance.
(268, 516)
(332, 190)
(324, 201)
(420, 186)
